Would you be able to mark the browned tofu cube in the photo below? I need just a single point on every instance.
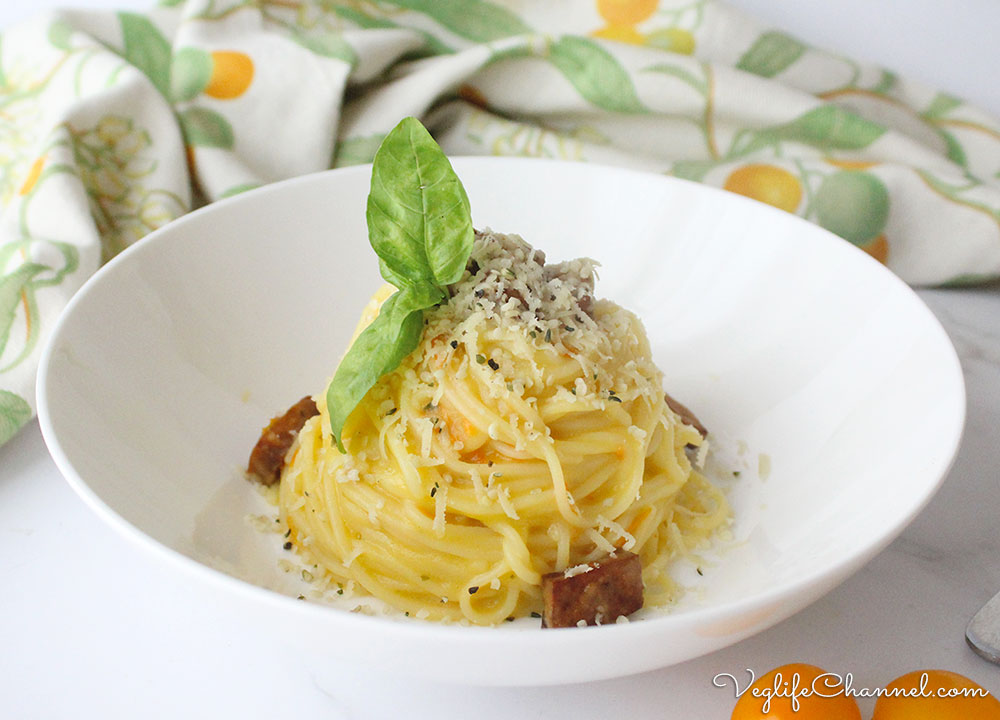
(687, 417)
(594, 593)
(268, 456)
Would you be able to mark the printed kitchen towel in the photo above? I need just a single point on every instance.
(112, 124)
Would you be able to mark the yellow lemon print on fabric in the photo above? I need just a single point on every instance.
(620, 33)
(626, 12)
(677, 40)
(232, 73)
(221, 74)
(878, 249)
(34, 173)
(766, 183)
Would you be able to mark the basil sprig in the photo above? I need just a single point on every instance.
(420, 226)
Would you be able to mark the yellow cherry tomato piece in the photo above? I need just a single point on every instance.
(935, 695)
(797, 691)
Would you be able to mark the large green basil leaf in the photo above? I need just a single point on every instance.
(419, 220)
(394, 334)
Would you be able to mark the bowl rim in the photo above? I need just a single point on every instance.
(501, 634)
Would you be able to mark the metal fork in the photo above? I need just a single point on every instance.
(983, 631)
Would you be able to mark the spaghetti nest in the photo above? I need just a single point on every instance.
(528, 433)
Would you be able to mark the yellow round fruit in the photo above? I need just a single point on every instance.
(620, 33)
(878, 249)
(232, 73)
(626, 12)
(767, 183)
(796, 692)
(935, 695)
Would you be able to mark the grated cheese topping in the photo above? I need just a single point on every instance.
(507, 286)
(577, 570)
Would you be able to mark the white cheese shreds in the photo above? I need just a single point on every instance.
(702, 455)
(577, 570)
(507, 285)
(618, 531)
(503, 497)
(600, 541)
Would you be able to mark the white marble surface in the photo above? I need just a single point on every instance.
(90, 628)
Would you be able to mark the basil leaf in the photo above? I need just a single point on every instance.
(390, 277)
(394, 334)
(420, 226)
(419, 220)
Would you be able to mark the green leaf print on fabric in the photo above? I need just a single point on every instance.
(853, 204)
(190, 72)
(474, 20)
(770, 54)
(12, 287)
(682, 74)
(954, 149)
(206, 128)
(147, 49)
(596, 74)
(356, 150)
(829, 127)
(327, 44)
(59, 33)
(885, 84)
(941, 105)
(14, 414)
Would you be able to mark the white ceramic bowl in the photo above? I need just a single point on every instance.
(167, 363)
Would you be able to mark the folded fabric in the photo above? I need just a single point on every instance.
(112, 124)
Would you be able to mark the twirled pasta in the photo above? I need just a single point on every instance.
(528, 433)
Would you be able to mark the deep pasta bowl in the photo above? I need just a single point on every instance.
(834, 399)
